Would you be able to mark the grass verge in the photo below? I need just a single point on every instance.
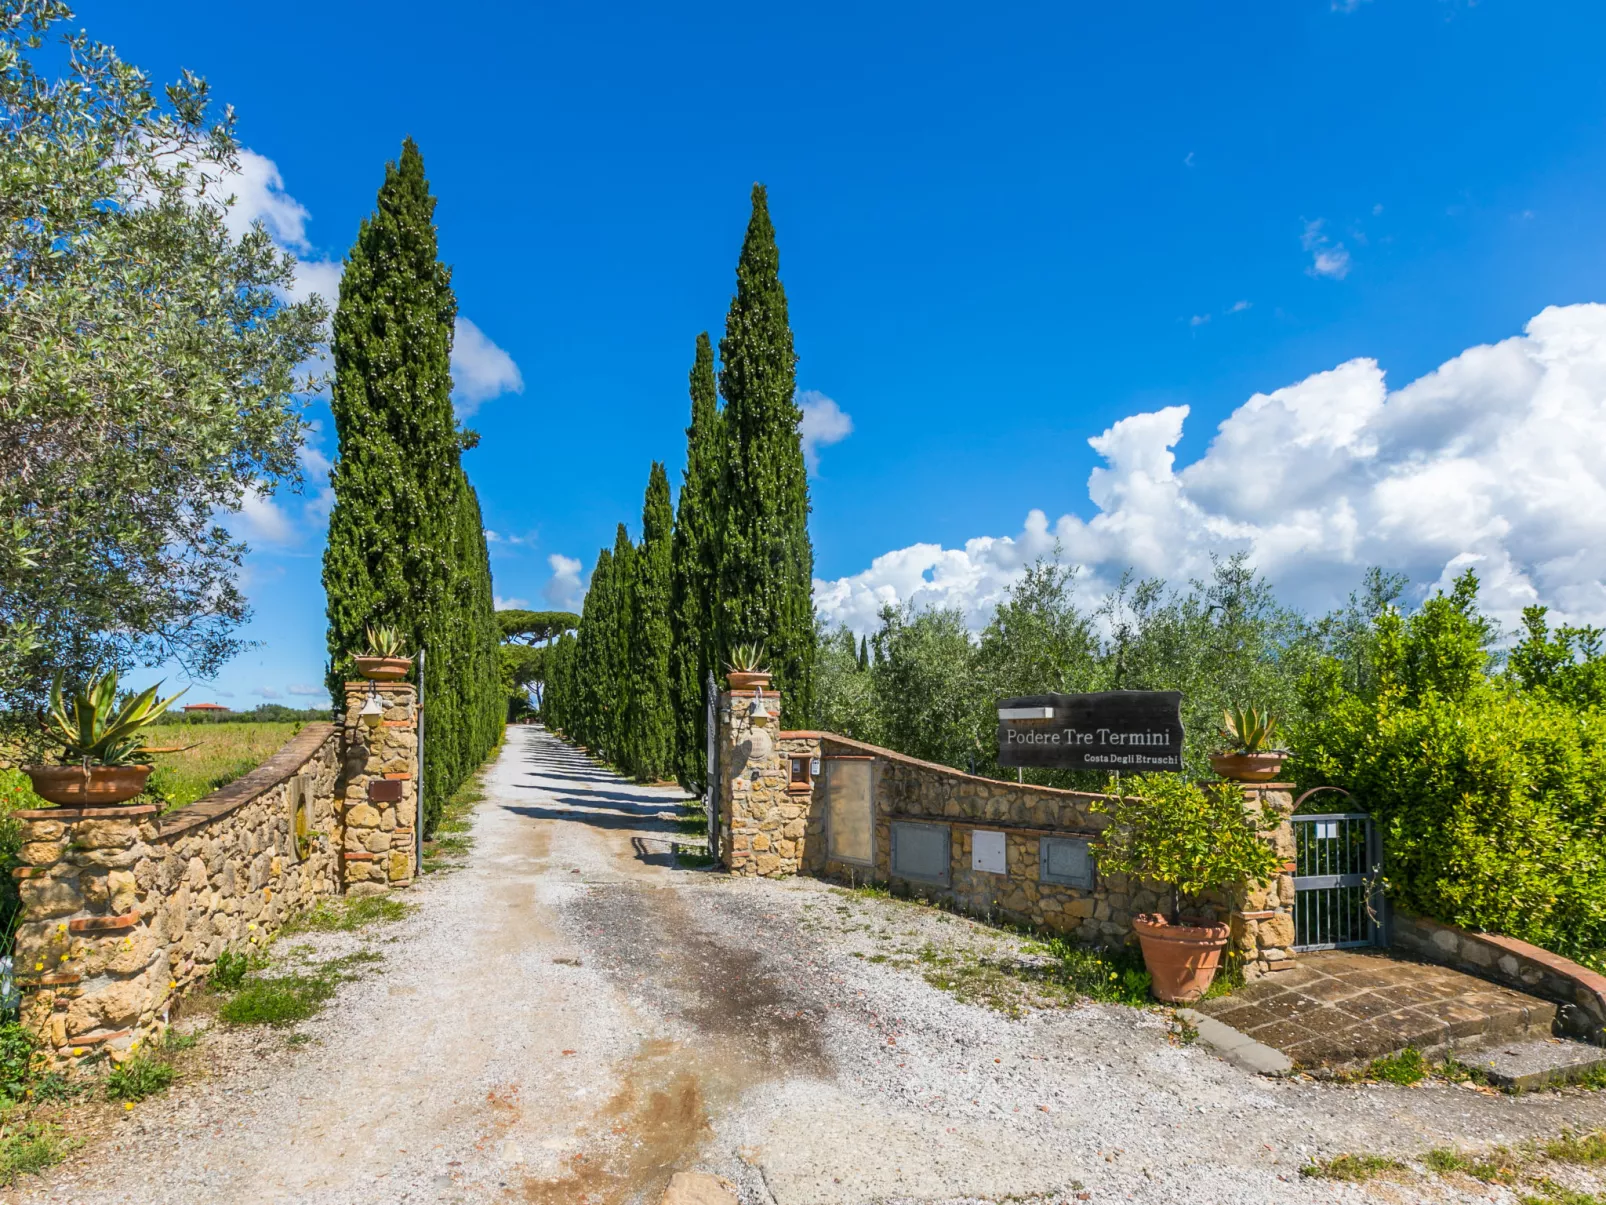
(449, 844)
(222, 752)
(28, 1147)
(1355, 1169)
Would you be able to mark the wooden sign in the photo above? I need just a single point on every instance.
(1133, 731)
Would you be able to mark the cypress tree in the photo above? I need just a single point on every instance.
(766, 560)
(406, 543)
(650, 716)
(616, 665)
(589, 689)
(694, 571)
(390, 557)
(864, 654)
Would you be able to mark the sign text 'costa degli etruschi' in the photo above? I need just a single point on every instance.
(1130, 730)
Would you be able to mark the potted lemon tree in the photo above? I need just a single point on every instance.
(102, 744)
(1194, 841)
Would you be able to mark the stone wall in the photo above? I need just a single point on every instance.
(379, 802)
(1580, 991)
(763, 821)
(124, 908)
(771, 824)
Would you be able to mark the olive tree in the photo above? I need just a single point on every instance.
(149, 382)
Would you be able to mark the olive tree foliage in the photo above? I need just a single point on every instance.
(149, 376)
(930, 687)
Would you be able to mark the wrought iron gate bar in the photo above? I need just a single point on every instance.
(1335, 880)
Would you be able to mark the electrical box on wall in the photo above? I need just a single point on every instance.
(987, 852)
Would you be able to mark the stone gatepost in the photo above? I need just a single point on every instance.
(379, 806)
(762, 824)
(1263, 913)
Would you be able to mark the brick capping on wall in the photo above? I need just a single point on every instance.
(1580, 991)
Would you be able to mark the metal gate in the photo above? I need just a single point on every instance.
(1337, 865)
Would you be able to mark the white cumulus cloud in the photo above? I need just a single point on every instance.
(564, 590)
(306, 689)
(824, 423)
(1328, 258)
(480, 369)
(1492, 461)
(511, 604)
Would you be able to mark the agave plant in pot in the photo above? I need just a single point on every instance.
(384, 660)
(1193, 841)
(1248, 756)
(102, 744)
(746, 668)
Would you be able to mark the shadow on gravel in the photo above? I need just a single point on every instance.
(578, 813)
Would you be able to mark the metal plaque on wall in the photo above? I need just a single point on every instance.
(1130, 730)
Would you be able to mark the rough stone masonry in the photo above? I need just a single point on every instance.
(124, 907)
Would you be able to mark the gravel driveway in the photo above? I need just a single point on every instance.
(571, 1019)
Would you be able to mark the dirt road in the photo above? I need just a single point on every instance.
(569, 1018)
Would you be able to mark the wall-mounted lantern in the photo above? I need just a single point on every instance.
(373, 711)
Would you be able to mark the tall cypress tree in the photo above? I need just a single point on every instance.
(650, 718)
(766, 560)
(616, 671)
(591, 654)
(390, 557)
(694, 571)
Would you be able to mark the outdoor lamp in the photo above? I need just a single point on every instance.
(758, 712)
(372, 711)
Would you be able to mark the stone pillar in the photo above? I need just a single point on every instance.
(378, 808)
(1263, 913)
(92, 962)
(761, 823)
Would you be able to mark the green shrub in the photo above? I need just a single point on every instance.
(1488, 795)
(138, 1077)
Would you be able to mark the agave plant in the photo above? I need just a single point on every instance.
(97, 730)
(1248, 729)
(384, 641)
(746, 659)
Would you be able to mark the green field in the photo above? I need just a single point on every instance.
(222, 753)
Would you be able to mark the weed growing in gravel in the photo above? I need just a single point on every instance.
(286, 999)
(1444, 1161)
(1354, 1168)
(28, 1148)
(53, 1087)
(1587, 1149)
(1110, 976)
(1405, 1068)
(342, 916)
(231, 968)
(279, 1000)
(136, 1078)
(1551, 1193)
(1456, 1072)
(172, 1042)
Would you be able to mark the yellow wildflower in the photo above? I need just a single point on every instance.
(128, 1104)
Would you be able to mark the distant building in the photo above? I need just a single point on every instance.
(205, 707)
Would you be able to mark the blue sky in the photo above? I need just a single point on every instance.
(1004, 230)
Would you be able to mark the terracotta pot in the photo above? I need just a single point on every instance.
(1249, 767)
(1182, 959)
(741, 680)
(72, 786)
(384, 669)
